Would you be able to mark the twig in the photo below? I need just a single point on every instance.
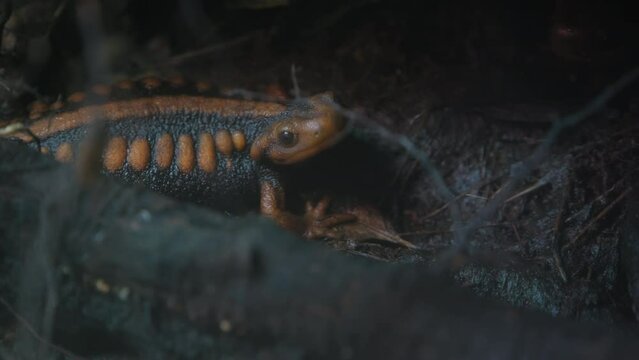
(599, 198)
(558, 230)
(14, 87)
(447, 231)
(390, 238)
(176, 60)
(59, 10)
(475, 196)
(426, 232)
(34, 333)
(43, 252)
(252, 95)
(526, 191)
(367, 255)
(514, 227)
(443, 207)
(4, 85)
(535, 159)
(441, 187)
(89, 19)
(476, 187)
(599, 216)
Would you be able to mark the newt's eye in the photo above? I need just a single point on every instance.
(287, 138)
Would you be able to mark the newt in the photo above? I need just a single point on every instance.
(222, 152)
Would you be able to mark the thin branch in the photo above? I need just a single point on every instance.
(540, 153)
(558, 230)
(34, 333)
(472, 188)
(43, 253)
(600, 199)
(441, 187)
(516, 232)
(526, 191)
(176, 60)
(599, 216)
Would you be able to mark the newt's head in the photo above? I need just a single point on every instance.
(302, 135)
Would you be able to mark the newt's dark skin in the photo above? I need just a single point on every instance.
(224, 153)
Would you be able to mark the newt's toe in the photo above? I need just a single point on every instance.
(320, 225)
(359, 224)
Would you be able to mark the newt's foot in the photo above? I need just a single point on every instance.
(359, 224)
(320, 225)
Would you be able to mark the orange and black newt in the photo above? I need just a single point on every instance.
(222, 152)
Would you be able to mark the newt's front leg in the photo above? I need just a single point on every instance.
(272, 205)
(314, 224)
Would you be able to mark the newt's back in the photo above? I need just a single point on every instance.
(205, 149)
